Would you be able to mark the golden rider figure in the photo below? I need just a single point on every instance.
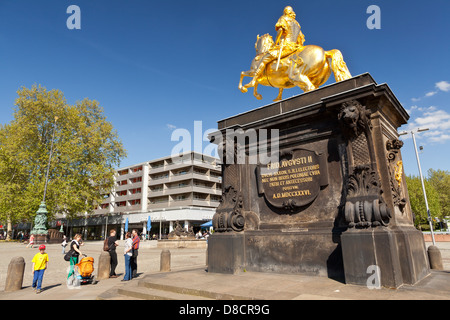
(289, 39)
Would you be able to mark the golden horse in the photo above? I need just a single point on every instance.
(308, 68)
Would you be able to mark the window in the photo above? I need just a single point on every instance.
(161, 176)
(198, 196)
(135, 202)
(137, 179)
(137, 169)
(134, 191)
(122, 183)
(104, 206)
(181, 172)
(158, 200)
(121, 193)
(180, 197)
(121, 204)
(157, 165)
(122, 172)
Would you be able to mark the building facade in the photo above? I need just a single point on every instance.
(187, 189)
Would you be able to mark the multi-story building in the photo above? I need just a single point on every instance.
(166, 190)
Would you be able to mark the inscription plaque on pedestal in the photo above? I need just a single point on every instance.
(294, 181)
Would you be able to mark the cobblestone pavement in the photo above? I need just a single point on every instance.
(148, 262)
(56, 274)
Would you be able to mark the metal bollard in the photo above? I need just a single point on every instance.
(435, 258)
(104, 266)
(14, 277)
(165, 261)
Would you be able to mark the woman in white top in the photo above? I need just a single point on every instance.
(127, 252)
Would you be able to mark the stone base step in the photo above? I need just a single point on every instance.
(197, 294)
(113, 294)
(138, 290)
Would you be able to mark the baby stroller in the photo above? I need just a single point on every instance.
(84, 269)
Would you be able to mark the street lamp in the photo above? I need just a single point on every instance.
(40, 221)
(421, 177)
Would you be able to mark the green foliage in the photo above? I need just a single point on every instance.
(86, 150)
(417, 200)
(440, 180)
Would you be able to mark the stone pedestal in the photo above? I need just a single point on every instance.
(227, 255)
(364, 249)
(399, 256)
(310, 252)
(41, 238)
(314, 184)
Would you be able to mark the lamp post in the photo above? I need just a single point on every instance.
(160, 224)
(421, 178)
(40, 221)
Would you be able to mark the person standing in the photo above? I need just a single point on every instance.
(112, 244)
(127, 254)
(74, 254)
(40, 263)
(64, 244)
(31, 242)
(135, 249)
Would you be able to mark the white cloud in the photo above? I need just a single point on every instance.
(171, 126)
(432, 133)
(434, 119)
(443, 86)
(410, 110)
(440, 138)
(438, 121)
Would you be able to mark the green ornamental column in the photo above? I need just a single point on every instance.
(40, 224)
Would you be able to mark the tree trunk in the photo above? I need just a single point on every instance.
(9, 229)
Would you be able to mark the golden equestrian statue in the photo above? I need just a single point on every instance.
(288, 63)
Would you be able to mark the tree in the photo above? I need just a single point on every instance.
(440, 180)
(12, 178)
(417, 200)
(85, 152)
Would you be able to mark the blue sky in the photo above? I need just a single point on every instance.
(157, 65)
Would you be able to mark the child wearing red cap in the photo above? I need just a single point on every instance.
(40, 262)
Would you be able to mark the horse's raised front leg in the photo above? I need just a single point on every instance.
(280, 93)
(249, 73)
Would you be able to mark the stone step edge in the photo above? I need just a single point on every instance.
(113, 294)
(155, 294)
(191, 291)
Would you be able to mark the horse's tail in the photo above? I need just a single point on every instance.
(338, 65)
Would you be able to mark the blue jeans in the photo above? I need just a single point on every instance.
(37, 278)
(128, 271)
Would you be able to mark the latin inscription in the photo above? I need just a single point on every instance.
(296, 180)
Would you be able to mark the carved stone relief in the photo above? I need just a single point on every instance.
(364, 205)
